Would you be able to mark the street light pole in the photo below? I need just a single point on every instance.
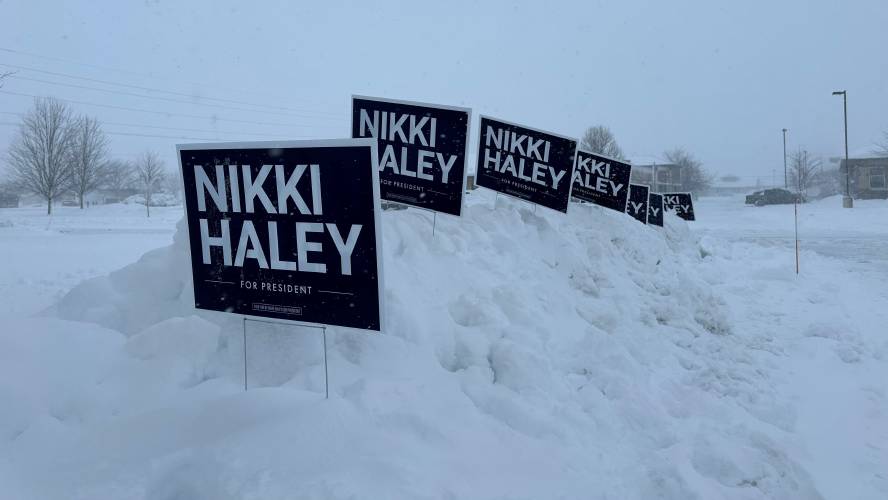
(847, 201)
(654, 177)
(785, 176)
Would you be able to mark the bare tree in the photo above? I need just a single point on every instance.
(89, 153)
(828, 182)
(693, 177)
(120, 175)
(4, 76)
(803, 170)
(882, 147)
(150, 174)
(172, 184)
(599, 139)
(39, 155)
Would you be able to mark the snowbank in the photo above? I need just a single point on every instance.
(528, 355)
(43, 257)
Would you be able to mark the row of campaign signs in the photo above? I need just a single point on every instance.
(291, 230)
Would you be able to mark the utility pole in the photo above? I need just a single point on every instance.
(847, 201)
(654, 177)
(785, 176)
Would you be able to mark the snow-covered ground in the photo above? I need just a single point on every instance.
(858, 234)
(528, 355)
(831, 321)
(44, 257)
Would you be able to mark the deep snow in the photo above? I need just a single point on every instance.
(527, 355)
(44, 257)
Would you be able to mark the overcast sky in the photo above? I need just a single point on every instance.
(718, 78)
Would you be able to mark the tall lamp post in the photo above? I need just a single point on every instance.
(785, 176)
(654, 177)
(847, 201)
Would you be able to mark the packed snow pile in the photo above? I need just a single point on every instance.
(527, 354)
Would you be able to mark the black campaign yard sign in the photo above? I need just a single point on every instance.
(422, 150)
(286, 230)
(655, 209)
(637, 205)
(601, 180)
(526, 163)
(680, 203)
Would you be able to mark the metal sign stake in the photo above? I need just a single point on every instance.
(326, 376)
(245, 354)
(323, 329)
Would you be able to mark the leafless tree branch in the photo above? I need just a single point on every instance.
(599, 139)
(882, 147)
(803, 170)
(89, 153)
(120, 175)
(694, 178)
(150, 174)
(39, 156)
(4, 76)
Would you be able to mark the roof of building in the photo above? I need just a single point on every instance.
(873, 161)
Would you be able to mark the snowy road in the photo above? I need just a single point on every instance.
(856, 236)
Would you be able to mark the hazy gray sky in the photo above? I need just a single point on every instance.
(718, 78)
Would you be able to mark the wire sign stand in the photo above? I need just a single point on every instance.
(295, 326)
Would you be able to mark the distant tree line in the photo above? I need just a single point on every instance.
(56, 154)
(694, 177)
(805, 173)
(600, 140)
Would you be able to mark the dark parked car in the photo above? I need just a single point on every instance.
(772, 197)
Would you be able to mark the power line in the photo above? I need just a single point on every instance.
(149, 111)
(70, 61)
(128, 134)
(118, 70)
(156, 127)
(204, 131)
(168, 99)
(151, 89)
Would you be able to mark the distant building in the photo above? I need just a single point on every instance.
(869, 177)
(661, 177)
